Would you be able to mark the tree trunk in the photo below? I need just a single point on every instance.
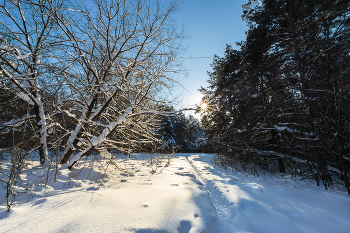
(281, 165)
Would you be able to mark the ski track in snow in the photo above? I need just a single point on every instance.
(188, 196)
(221, 204)
(246, 203)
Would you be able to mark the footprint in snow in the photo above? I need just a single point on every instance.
(40, 201)
(185, 174)
(92, 189)
(185, 227)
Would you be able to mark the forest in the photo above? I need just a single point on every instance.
(77, 83)
(281, 102)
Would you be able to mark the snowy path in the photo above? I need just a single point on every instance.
(155, 198)
(190, 195)
(261, 204)
(225, 217)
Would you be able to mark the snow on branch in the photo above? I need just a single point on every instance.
(96, 141)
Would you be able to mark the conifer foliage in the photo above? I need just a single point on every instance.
(180, 133)
(281, 102)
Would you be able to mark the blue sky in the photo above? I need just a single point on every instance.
(210, 24)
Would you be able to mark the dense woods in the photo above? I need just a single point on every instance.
(179, 133)
(281, 102)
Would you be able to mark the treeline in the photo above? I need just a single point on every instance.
(281, 102)
(180, 133)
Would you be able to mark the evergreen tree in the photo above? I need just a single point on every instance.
(284, 96)
(179, 133)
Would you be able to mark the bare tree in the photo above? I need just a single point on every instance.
(91, 74)
(117, 60)
(27, 38)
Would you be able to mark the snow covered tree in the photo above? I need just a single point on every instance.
(194, 134)
(86, 77)
(283, 96)
(27, 39)
(178, 132)
(166, 131)
(112, 68)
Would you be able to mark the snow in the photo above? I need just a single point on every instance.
(5, 46)
(15, 2)
(189, 195)
(111, 126)
(102, 137)
(128, 110)
(25, 97)
(14, 64)
(105, 154)
(72, 137)
(21, 57)
(18, 122)
(97, 111)
(93, 67)
(282, 128)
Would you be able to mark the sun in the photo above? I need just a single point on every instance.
(204, 106)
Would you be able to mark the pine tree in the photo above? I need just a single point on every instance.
(288, 100)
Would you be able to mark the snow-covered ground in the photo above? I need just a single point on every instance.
(190, 195)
